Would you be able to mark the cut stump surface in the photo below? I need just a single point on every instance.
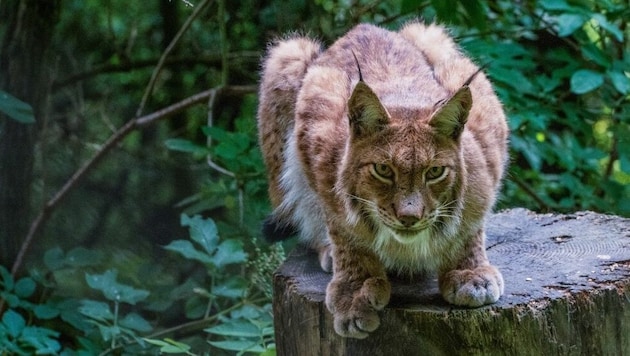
(567, 292)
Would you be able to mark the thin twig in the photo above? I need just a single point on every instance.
(167, 51)
(130, 126)
(208, 60)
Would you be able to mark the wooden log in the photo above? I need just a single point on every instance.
(567, 292)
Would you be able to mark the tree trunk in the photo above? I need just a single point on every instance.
(567, 293)
(27, 26)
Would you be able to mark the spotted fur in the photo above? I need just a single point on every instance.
(385, 152)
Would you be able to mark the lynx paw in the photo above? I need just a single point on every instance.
(472, 288)
(355, 308)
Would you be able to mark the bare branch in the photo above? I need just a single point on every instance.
(125, 130)
(160, 65)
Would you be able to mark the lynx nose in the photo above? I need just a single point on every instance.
(409, 211)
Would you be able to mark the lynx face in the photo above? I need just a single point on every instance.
(405, 185)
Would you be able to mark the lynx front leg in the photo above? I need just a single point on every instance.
(474, 282)
(358, 290)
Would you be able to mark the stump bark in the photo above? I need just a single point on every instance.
(567, 292)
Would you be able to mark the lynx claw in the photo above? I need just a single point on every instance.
(356, 312)
(472, 288)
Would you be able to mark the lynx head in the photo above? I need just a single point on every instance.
(404, 168)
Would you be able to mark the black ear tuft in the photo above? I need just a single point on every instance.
(274, 230)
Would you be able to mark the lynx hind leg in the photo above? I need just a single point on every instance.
(283, 70)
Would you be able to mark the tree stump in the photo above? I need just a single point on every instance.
(567, 292)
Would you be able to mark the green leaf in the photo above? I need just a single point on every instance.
(186, 249)
(16, 108)
(82, 257)
(96, 310)
(236, 328)
(586, 80)
(45, 312)
(135, 322)
(232, 288)
(610, 27)
(566, 24)
(229, 251)
(203, 231)
(238, 345)
(112, 290)
(25, 287)
(13, 322)
(54, 258)
(41, 339)
(169, 346)
(182, 145)
(620, 81)
(7, 279)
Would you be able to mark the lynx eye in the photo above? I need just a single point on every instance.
(382, 172)
(435, 173)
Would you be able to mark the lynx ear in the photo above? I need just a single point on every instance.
(365, 111)
(451, 115)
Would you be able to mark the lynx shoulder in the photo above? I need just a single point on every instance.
(384, 152)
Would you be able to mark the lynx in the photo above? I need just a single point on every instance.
(385, 153)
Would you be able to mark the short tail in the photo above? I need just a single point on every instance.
(274, 230)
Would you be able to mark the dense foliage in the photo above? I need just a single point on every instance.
(155, 248)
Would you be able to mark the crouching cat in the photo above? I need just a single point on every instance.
(384, 153)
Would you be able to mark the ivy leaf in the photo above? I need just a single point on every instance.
(16, 108)
(586, 80)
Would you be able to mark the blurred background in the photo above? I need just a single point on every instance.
(159, 239)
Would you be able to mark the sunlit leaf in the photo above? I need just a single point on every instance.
(620, 81)
(566, 24)
(585, 80)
